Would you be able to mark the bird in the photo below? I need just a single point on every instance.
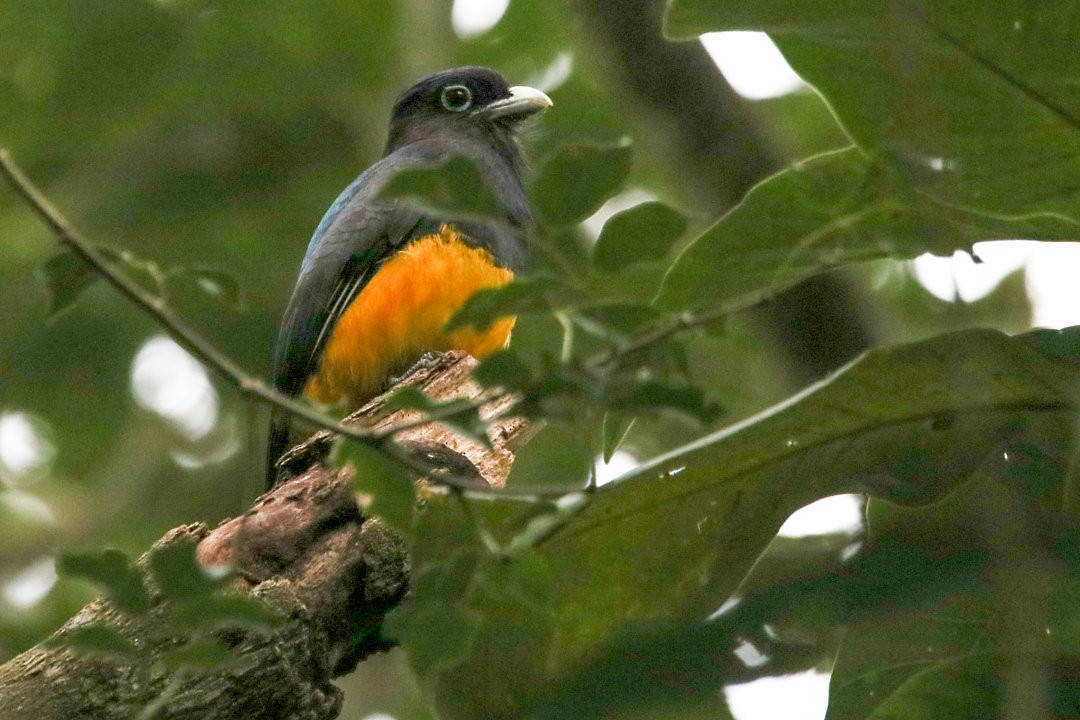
(381, 278)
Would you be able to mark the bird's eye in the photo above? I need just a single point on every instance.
(456, 98)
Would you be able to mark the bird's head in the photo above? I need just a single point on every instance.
(464, 102)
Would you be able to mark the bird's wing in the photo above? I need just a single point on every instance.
(357, 234)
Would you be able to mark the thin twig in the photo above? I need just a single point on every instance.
(680, 323)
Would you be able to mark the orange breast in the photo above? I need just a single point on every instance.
(400, 314)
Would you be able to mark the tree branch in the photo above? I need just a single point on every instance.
(307, 551)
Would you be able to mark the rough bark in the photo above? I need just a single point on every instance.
(306, 550)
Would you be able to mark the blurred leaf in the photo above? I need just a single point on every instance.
(218, 285)
(673, 662)
(879, 655)
(655, 395)
(718, 501)
(1061, 345)
(642, 233)
(410, 397)
(94, 639)
(459, 413)
(614, 321)
(198, 655)
(211, 610)
(437, 628)
(541, 520)
(961, 689)
(557, 456)
(696, 519)
(836, 208)
(575, 182)
(915, 80)
(488, 305)
(180, 575)
(113, 571)
(66, 276)
(955, 648)
(616, 427)
(453, 188)
(1063, 614)
(384, 488)
(503, 369)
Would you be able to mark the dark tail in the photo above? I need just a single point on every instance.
(277, 444)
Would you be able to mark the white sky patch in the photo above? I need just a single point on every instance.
(554, 75)
(31, 585)
(1052, 287)
(752, 64)
(1050, 272)
(621, 462)
(378, 716)
(25, 449)
(29, 507)
(749, 654)
(168, 381)
(803, 696)
(623, 201)
(960, 277)
(839, 513)
(470, 18)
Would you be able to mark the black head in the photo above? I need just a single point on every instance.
(469, 100)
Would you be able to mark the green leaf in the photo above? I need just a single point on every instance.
(459, 413)
(94, 639)
(66, 276)
(1063, 614)
(409, 397)
(113, 571)
(436, 628)
(453, 188)
(200, 655)
(557, 456)
(644, 232)
(575, 182)
(697, 518)
(213, 610)
(665, 662)
(718, 501)
(979, 108)
(965, 689)
(899, 656)
(220, 286)
(180, 575)
(383, 487)
(614, 321)
(486, 306)
(880, 654)
(654, 395)
(836, 208)
(503, 369)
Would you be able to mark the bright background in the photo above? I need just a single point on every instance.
(193, 133)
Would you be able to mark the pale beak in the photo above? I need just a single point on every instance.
(523, 102)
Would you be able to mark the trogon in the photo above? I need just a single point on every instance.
(381, 278)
